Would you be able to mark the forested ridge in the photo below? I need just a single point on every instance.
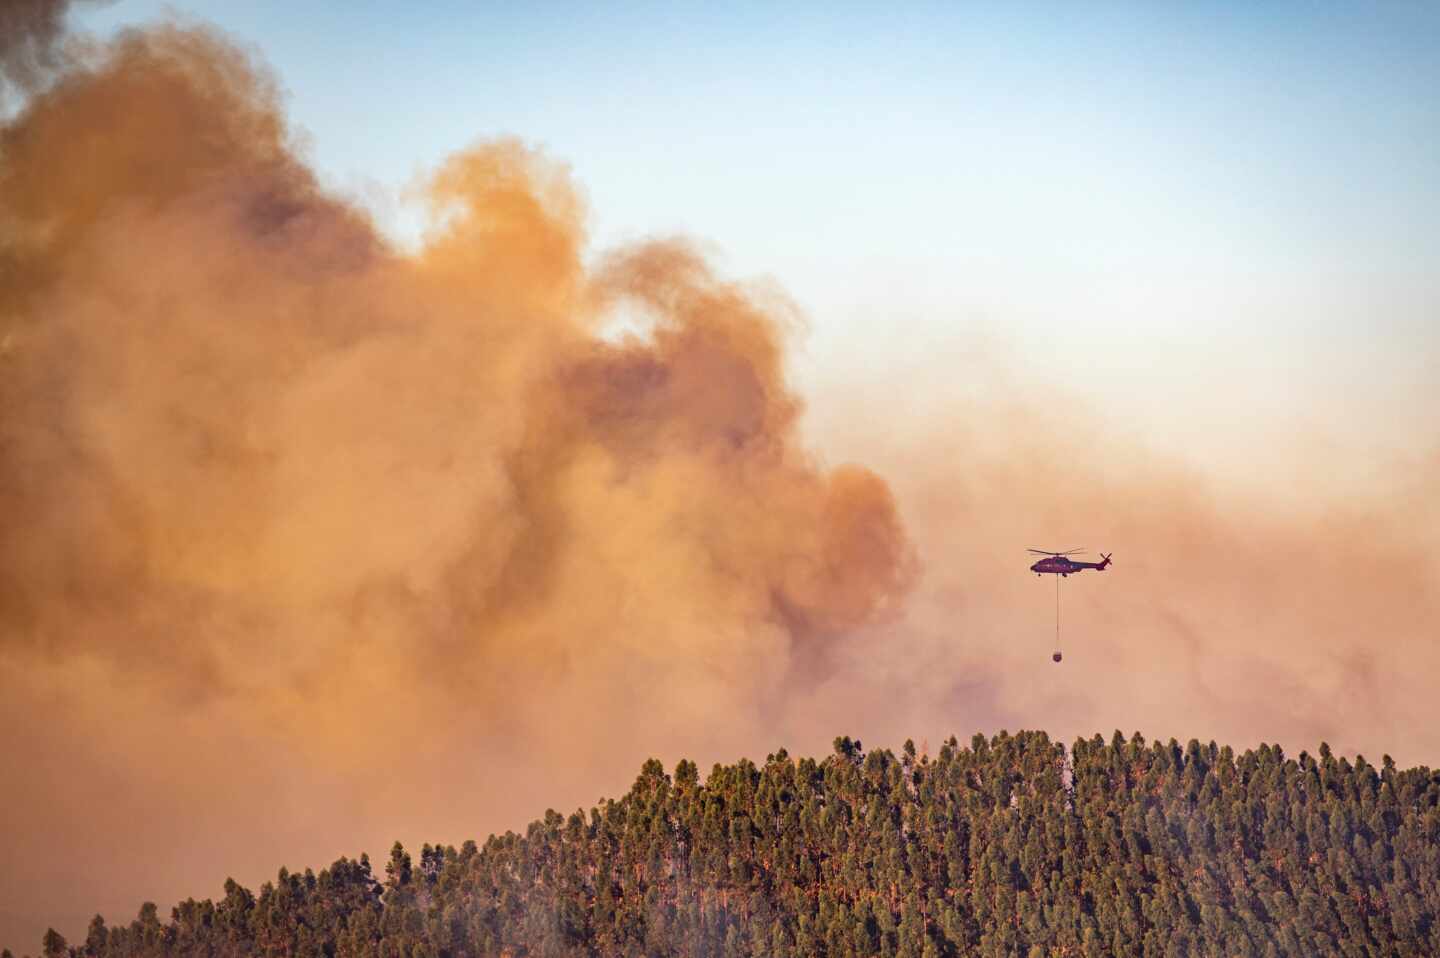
(1012, 846)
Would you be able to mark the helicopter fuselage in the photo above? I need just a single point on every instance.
(1059, 565)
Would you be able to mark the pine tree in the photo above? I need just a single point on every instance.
(54, 945)
(1013, 846)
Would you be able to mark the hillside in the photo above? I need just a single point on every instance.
(1012, 846)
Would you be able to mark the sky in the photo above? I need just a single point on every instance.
(1204, 218)
(681, 381)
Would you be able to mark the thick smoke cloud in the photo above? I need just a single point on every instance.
(311, 544)
(284, 507)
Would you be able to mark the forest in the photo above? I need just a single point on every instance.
(1014, 845)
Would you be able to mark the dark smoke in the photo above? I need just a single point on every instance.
(31, 43)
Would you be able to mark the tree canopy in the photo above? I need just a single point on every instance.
(1013, 845)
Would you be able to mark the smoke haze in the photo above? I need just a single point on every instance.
(311, 544)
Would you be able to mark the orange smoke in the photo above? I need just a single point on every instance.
(1280, 612)
(289, 514)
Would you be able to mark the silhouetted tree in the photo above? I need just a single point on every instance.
(1013, 846)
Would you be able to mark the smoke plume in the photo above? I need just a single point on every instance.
(278, 498)
(310, 543)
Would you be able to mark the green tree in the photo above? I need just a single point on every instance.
(54, 945)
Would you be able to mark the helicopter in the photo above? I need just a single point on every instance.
(1060, 563)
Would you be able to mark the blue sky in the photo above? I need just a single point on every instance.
(1142, 202)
